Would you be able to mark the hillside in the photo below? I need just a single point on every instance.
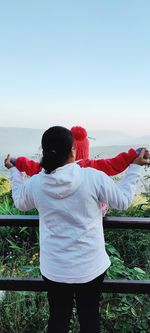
(26, 141)
(18, 141)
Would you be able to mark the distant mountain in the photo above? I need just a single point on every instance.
(143, 140)
(108, 138)
(113, 138)
(26, 141)
(19, 141)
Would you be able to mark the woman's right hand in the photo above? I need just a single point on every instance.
(7, 162)
(141, 160)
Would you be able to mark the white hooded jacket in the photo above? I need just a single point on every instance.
(72, 246)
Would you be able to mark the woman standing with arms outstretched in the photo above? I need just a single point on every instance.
(73, 259)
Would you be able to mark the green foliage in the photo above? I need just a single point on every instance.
(125, 313)
(24, 312)
(7, 206)
(120, 270)
(142, 209)
(4, 185)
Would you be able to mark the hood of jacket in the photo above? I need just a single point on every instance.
(63, 181)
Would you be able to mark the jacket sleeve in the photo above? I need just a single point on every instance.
(120, 195)
(115, 165)
(21, 191)
(30, 167)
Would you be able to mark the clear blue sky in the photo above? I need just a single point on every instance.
(75, 62)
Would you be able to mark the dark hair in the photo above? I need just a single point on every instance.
(56, 143)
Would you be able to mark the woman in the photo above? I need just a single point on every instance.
(73, 258)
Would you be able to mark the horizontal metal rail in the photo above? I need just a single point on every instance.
(109, 222)
(109, 286)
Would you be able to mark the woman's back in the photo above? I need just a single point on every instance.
(73, 259)
(71, 233)
(72, 245)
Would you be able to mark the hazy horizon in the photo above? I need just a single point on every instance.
(88, 129)
(26, 141)
(19, 143)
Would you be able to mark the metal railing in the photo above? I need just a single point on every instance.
(109, 286)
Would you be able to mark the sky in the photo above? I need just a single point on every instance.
(83, 62)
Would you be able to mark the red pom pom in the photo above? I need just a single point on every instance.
(79, 133)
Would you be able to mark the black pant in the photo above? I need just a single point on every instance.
(61, 297)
